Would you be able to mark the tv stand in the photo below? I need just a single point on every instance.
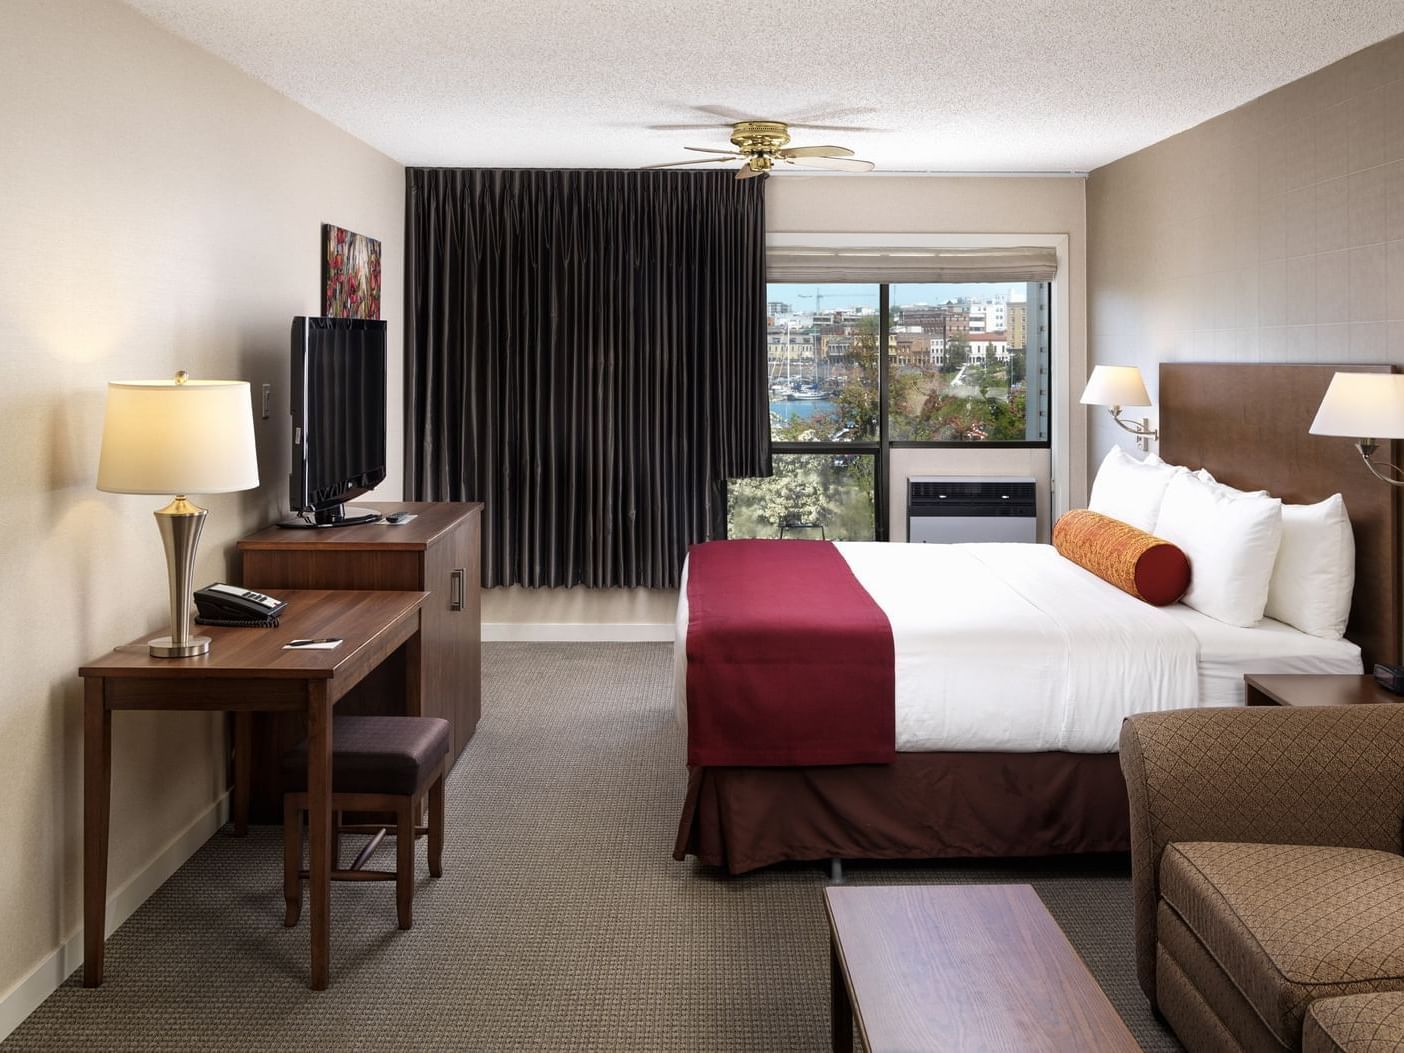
(436, 552)
(336, 516)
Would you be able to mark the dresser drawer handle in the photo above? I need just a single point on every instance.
(457, 580)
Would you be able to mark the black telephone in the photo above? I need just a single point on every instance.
(220, 604)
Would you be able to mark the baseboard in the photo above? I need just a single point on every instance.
(27, 995)
(578, 632)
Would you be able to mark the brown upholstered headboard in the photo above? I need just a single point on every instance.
(1248, 425)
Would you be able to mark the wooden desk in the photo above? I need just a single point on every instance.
(950, 967)
(247, 670)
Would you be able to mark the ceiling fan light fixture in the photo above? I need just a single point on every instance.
(760, 137)
(760, 144)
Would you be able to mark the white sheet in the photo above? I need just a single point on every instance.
(1011, 647)
(1227, 652)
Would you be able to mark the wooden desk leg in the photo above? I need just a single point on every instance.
(414, 699)
(97, 807)
(841, 1010)
(243, 771)
(319, 823)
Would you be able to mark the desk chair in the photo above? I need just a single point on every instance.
(379, 764)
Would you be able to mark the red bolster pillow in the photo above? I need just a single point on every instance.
(1148, 567)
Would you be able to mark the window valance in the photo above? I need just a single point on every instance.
(791, 263)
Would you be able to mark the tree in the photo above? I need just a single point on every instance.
(795, 493)
(1016, 368)
(957, 354)
(857, 405)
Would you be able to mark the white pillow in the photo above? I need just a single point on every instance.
(1131, 490)
(1231, 542)
(1315, 572)
(1224, 488)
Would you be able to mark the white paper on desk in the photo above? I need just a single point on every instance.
(332, 646)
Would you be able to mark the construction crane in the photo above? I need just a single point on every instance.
(816, 296)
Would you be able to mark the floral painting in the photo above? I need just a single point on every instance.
(350, 274)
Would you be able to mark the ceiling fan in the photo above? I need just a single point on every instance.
(762, 145)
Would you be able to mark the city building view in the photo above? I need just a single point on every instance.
(966, 363)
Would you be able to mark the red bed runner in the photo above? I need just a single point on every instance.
(789, 660)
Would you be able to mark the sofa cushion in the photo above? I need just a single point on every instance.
(1368, 1023)
(1291, 923)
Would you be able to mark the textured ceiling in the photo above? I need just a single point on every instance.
(960, 85)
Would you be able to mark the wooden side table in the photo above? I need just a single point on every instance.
(1315, 689)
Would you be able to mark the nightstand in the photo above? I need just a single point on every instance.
(1314, 689)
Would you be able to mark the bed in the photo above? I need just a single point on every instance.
(992, 759)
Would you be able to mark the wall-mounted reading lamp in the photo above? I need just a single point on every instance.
(1366, 407)
(1117, 386)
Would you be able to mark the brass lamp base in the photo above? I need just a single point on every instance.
(167, 647)
(180, 523)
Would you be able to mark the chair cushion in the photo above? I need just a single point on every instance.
(1369, 1023)
(393, 755)
(1292, 923)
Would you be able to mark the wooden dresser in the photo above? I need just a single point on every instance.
(438, 553)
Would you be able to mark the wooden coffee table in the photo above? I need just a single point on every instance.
(961, 967)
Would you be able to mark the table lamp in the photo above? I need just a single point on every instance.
(1117, 386)
(1366, 407)
(179, 437)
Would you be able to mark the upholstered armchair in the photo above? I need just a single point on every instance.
(1267, 871)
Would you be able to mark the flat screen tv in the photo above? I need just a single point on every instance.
(338, 425)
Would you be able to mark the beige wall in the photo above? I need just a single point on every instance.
(1271, 233)
(880, 205)
(158, 210)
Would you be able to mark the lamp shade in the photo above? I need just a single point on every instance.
(178, 437)
(1362, 406)
(1115, 386)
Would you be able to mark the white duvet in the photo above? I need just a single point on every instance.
(1007, 647)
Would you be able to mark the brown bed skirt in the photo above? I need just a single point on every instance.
(922, 806)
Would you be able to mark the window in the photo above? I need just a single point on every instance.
(827, 495)
(822, 356)
(966, 363)
(825, 417)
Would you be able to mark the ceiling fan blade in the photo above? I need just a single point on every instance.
(690, 161)
(709, 126)
(830, 114)
(727, 113)
(746, 172)
(836, 164)
(815, 151)
(708, 150)
(820, 119)
(833, 127)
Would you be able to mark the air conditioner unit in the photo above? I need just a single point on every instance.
(942, 509)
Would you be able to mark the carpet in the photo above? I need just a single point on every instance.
(561, 922)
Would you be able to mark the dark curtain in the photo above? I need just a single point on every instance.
(585, 354)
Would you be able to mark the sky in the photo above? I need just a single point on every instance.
(801, 297)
